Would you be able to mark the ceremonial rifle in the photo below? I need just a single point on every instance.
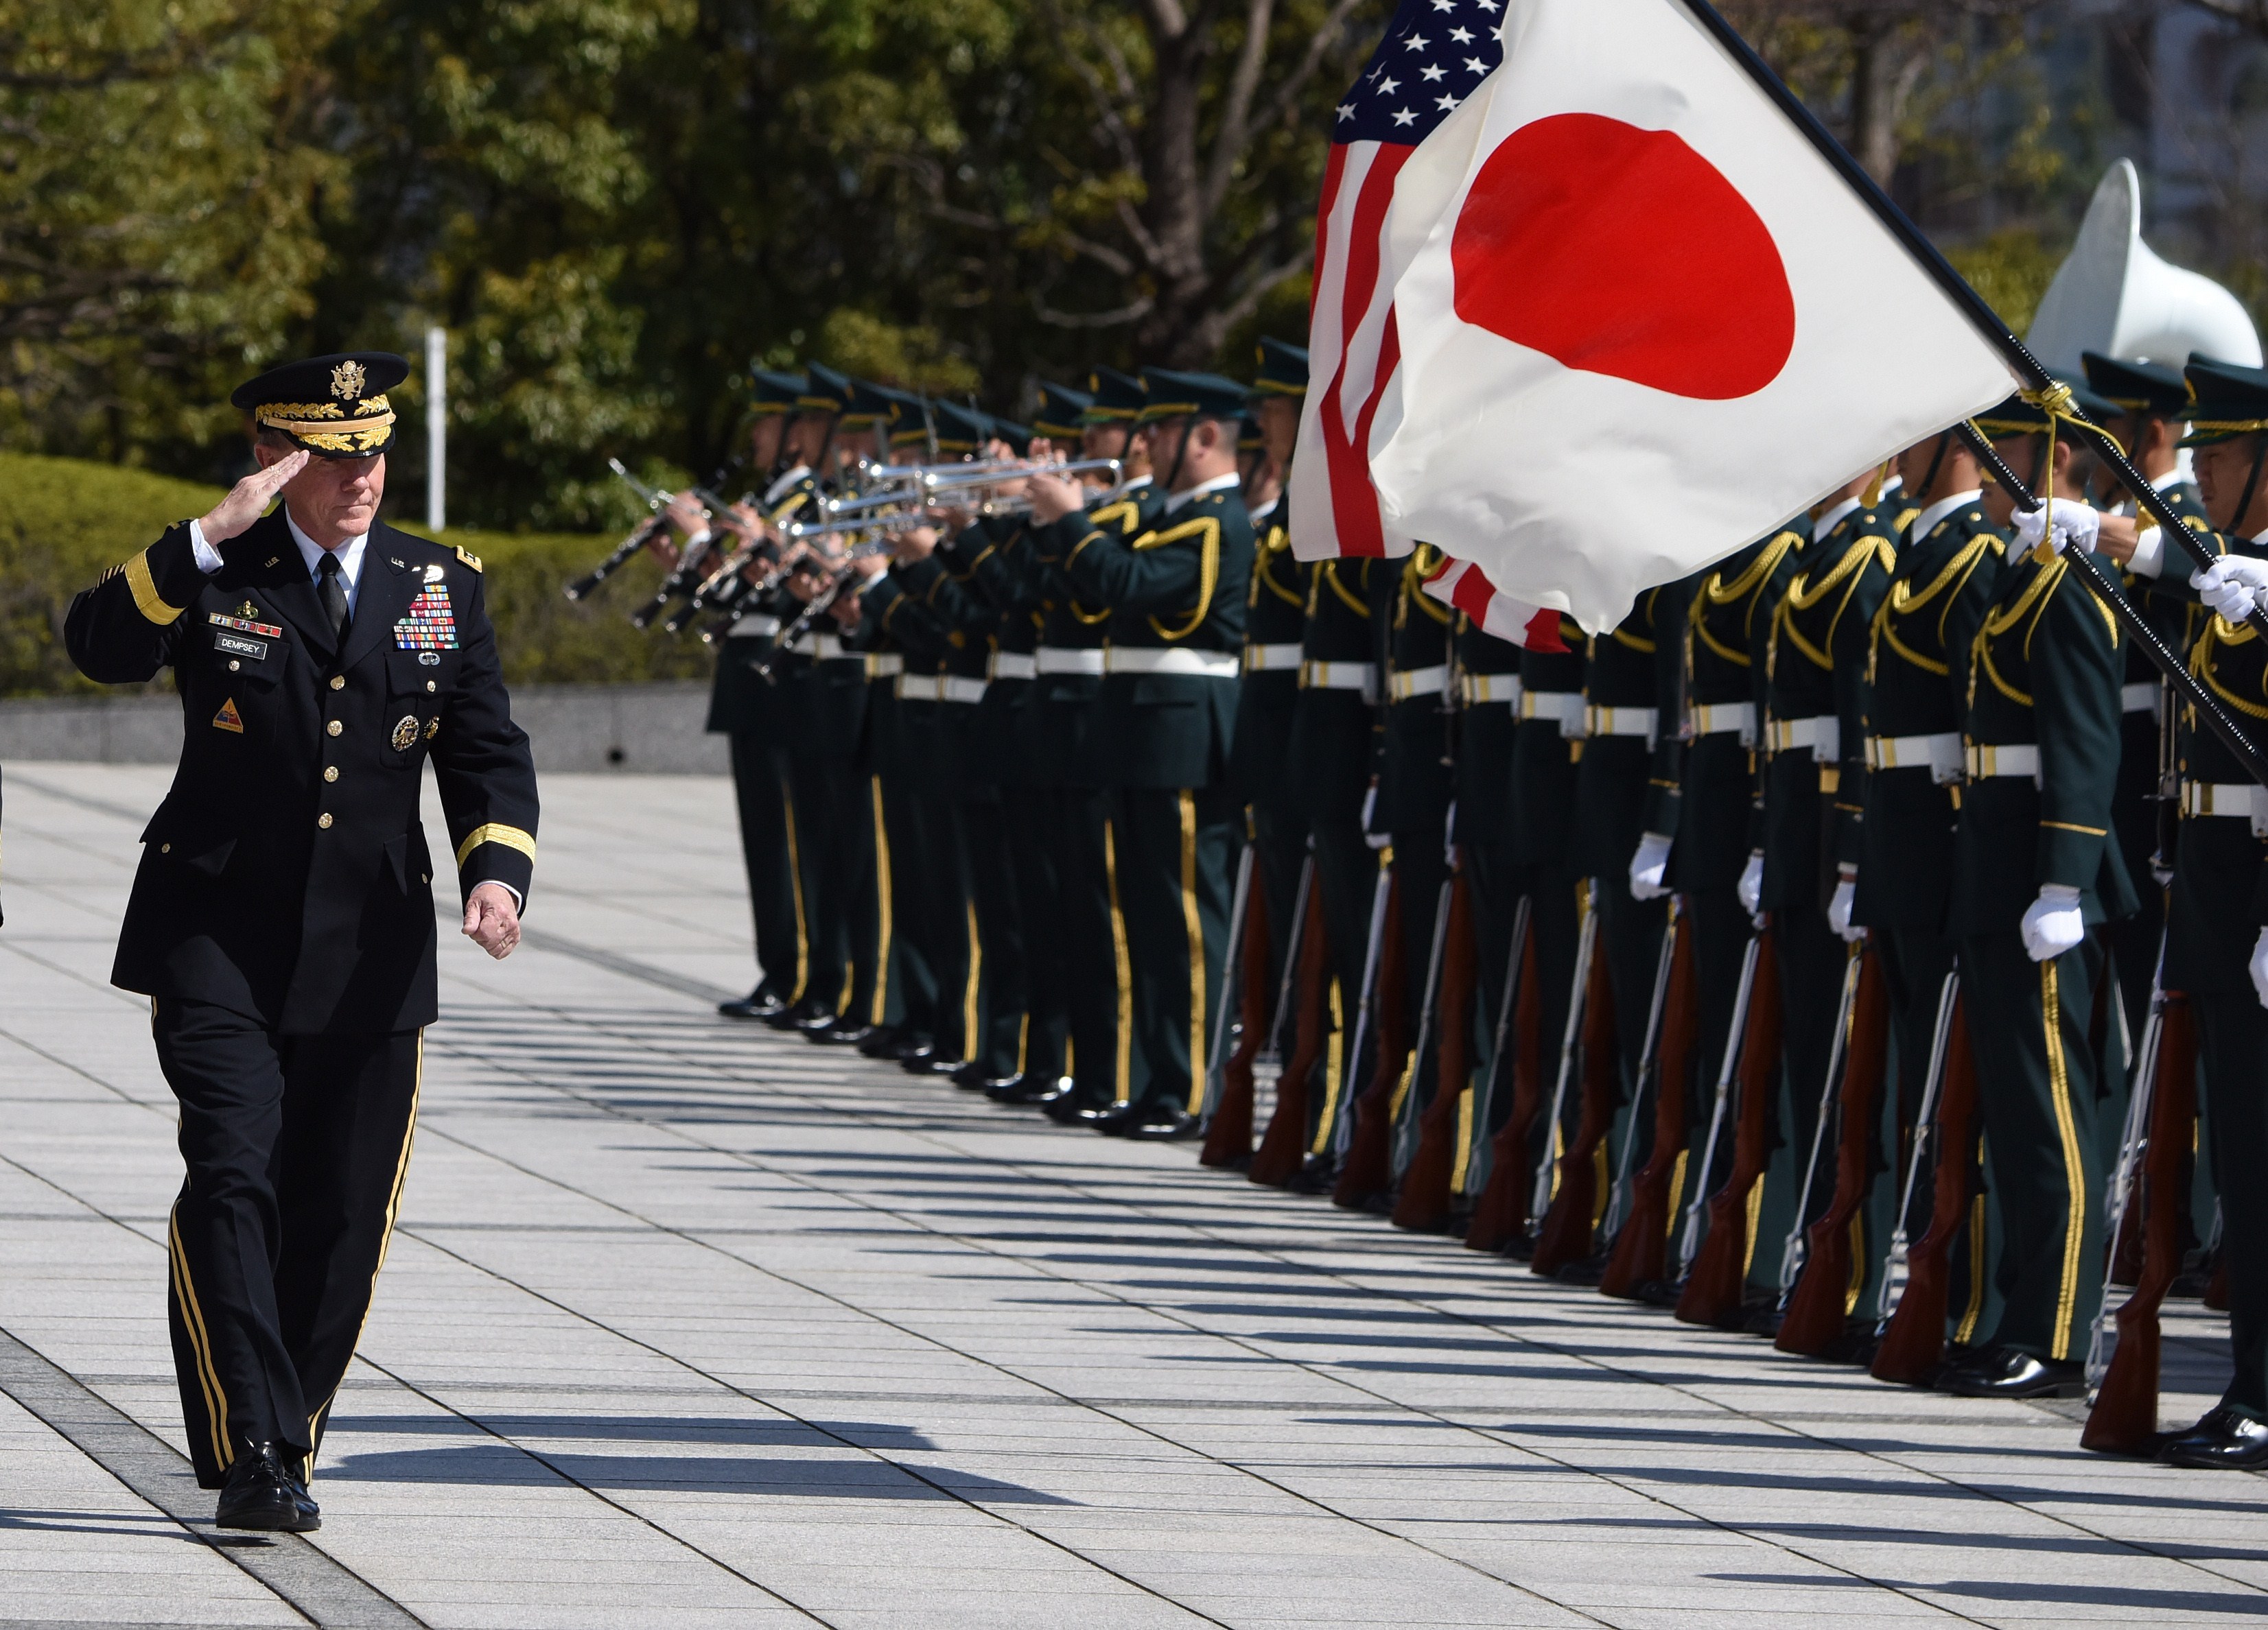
(1893, 1263)
(1563, 1238)
(1228, 1082)
(1436, 949)
(1640, 1256)
(1697, 1210)
(1284, 1146)
(1424, 1203)
(1539, 1186)
(1366, 1157)
(1792, 1248)
(1819, 1309)
(1382, 897)
(1498, 1212)
(1913, 1342)
(1712, 1295)
(1649, 1057)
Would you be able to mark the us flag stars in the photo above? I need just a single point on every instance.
(1446, 65)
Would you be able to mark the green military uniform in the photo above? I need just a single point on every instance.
(1487, 672)
(1814, 777)
(1720, 822)
(1176, 591)
(2220, 909)
(2042, 740)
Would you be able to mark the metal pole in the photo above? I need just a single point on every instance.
(437, 428)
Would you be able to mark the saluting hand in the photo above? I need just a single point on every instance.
(247, 501)
(491, 920)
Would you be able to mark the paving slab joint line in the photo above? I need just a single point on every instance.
(316, 1585)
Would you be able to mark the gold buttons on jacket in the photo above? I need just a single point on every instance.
(331, 772)
(324, 820)
(233, 665)
(430, 686)
(334, 727)
(338, 681)
(165, 848)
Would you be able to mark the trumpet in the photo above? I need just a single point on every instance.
(922, 483)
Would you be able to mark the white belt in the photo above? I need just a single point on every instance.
(1066, 659)
(1484, 688)
(1338, 676)
(1988, 762)
(1173, 659)
(1618, 721)
(2139, 697)
(758, 627)
(1564, 709)
(825, 647)
(1822, 733)
(1725, 718)
(920, 687)
(1403, 683)
(1015, 665)
(1940, 754)
(954, 689)
(2208, 797)
(1271, 658)
(885, 666)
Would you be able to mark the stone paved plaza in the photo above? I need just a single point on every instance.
(687, 1323)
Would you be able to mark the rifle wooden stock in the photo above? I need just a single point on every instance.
(1712, 1295)
(2124, 1418)
(1503, 1203)
(1284, 1146)
(1820, 1307)
(1368, 1166)
(1913, 1342)
(1641, 1254)
(1565, 1234)
(1228, 1133)
(1422, 1203)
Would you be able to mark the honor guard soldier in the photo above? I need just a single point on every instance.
(2217, 943)
(742, 707)
(282, 918)
(1176, 593)
(1068, 756)
(2035, 867)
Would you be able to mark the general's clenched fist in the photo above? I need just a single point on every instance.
(491, 920)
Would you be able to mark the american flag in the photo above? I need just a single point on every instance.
(1434, 55)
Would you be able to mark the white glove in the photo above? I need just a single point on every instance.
(1839, 908)
(2230, 586)
(2052, 924)
(1647, 866)
(2259, 967)
(1376, 840)
(1752, 886)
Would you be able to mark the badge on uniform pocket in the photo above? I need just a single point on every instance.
(405, 733)
(237, 645)
(228, 718)
(429, 659)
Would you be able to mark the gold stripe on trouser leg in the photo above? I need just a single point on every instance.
(795, 889)
(1023, 1041)
(193, 1320)
(1331, 1077)
(1966, 1331)
(968, 993)
(1464, 1141)
(1677, 1191)
(1755, 1211)
(1195, 924)
(882, 898)
(2074, 1175)
(1122, 1089)
(385, 1239)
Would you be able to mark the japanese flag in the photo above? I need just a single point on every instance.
(1651, 321)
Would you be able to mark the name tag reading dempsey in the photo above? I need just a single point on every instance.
(429, 624)
(237, 645)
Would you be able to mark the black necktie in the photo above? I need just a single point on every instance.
(332, 591)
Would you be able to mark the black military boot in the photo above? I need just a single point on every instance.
(262, 1496)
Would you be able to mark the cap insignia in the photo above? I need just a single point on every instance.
(347, 380)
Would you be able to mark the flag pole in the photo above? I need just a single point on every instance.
(2026, 369)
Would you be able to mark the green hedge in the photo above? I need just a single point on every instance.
(64, 521)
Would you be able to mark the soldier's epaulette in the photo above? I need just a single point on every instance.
(468, 557)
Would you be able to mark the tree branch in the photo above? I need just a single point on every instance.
(1167, 20)
(1230, 141)
(1132, 312)
(1289, 88)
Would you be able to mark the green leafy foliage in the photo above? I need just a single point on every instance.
(63, 522)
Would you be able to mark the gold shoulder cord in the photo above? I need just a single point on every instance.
(1354, 603)
(2203, 660)
(1716, 592)
(1206, 530)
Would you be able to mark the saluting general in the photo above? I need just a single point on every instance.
(282, 919)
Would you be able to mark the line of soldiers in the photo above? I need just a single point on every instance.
(1790, 954)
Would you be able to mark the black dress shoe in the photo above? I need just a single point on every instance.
(2223, 1440)
(1027, 1091)
(844, 1033)
(802, 1015)
(883, 1042)
(1157, 1119)
(2005, 1372)
(1068, 1109)
(1170, 1124)
(971, 1078)
(261, 1495)
(914, 1061)
(759, 1003)
(937, 1064)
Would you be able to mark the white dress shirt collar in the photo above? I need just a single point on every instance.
(1829, 519)
(1926, 521)
(1175, 501)
(349, 553)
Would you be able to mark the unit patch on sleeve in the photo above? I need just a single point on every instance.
(429, 624)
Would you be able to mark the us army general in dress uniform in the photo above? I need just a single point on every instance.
(282, 919)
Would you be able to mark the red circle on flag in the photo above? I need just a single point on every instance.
(1620, 250)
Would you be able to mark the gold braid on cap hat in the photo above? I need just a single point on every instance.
(326, 426)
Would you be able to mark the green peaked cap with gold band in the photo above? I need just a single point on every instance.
(334, 407)
(1062, 411)
(1282, 369)
(772, 391)
(960, 430)
(2227, 400)
(1173, 395)
(2137, 387)
(1112, 398)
